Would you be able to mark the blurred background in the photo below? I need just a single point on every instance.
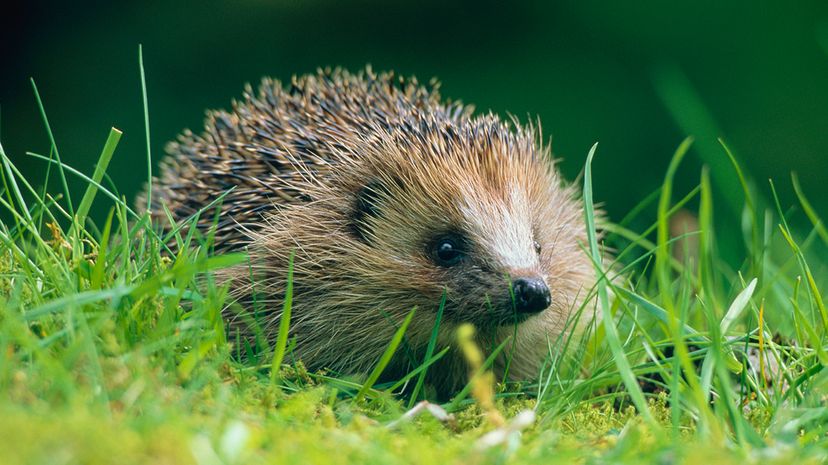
(637, 77)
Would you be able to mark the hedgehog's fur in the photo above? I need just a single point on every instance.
(358, 174)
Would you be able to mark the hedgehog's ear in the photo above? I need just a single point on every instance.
(367, 205)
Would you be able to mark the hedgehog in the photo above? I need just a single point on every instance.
(384, 198)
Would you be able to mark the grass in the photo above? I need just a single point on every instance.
(114, 350)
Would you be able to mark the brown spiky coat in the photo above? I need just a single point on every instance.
(357, 173)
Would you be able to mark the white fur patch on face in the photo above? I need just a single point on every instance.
(504, 229)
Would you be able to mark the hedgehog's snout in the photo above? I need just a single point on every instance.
(531, 295)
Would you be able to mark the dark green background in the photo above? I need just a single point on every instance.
(590, 70)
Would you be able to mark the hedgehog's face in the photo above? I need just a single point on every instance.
(483, 287)
(489, 258)
(491, 246)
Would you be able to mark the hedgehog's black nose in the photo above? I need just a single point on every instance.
(531, 295)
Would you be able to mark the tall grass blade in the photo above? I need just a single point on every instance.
(809, 209)
(664, 280)
(386, 357)
(751, 209)
(284, 324)
(12, 187)
(100, 169)
(432, 343)
(103, 248)
(146, 125)
(54, 149)
(624, 369)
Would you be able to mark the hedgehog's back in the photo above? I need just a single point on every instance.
(252, 159)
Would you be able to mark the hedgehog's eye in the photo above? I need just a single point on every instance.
(447, 251)
(537, 247)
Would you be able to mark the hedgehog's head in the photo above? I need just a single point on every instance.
(476, 212)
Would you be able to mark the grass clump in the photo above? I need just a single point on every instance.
(113, 349)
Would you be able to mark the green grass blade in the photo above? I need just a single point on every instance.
(624, 369)
(432, 343)
(737, 307)
(735, 311)
(809, 210)
(284, 324)
(706, 262)
(659, 313)
(417, 371)
(43, 206)
(100, 168)
(662, 272)
(662, 268)
(12, 187)
(54, 149)
(752, 209)
(78, 299)
(121, 202)
(803, 264)
(146, 125)
(185, 270)
(88, 180)
(386, 357)
(103, 248)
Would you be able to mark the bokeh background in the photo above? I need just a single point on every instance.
(637, 77)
